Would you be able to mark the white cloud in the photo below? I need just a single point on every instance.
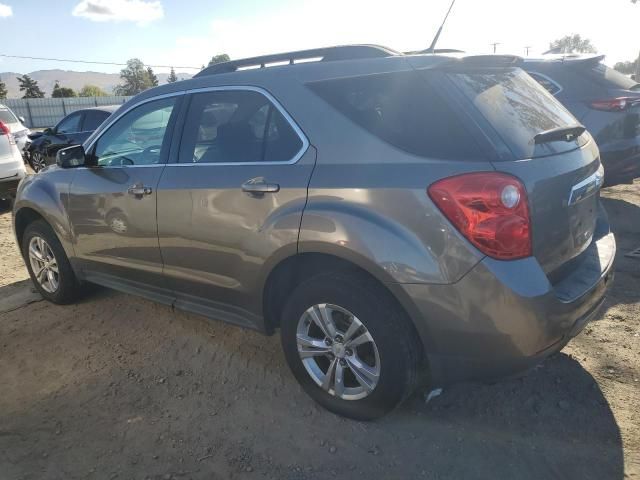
(139, 11)
(5, 10)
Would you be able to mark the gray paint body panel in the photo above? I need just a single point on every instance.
(202, 244)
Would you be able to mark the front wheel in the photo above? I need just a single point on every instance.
(48, 264)
(37, 161)
(349, 345)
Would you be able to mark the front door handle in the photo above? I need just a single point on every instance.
(258, 186)
(139, 190)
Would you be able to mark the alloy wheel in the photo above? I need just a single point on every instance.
(37, 161)
(44, 264)
(338, 352)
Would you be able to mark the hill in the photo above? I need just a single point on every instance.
(67, 78)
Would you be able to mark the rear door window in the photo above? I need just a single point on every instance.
(403, 110)
(518, 108)
(236, 126)
(93, 119)
(70, 124)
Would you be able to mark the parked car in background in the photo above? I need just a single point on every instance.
(603, 100)
(73, 129)
(12, 168)
(15, 125)
(396, 217)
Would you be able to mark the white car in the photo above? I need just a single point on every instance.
(12, 168)
(15, 124)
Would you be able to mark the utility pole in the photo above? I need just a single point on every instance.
(526, 49)
(495, 44)
(637, 79)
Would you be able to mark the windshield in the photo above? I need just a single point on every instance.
(518, 108)
(6, 116)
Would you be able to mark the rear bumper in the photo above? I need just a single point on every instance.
(505, 317)
(9, 185)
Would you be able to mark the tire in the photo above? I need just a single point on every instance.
(68, 287)
(392, 334)
(37, 161)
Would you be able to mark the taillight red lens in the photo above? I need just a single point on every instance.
(618, 104)
(490, 209)
(4, 130)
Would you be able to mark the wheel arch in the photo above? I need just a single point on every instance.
(290, 271)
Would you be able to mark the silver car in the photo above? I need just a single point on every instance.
(399, 219)
(16, 126)
(12, 168)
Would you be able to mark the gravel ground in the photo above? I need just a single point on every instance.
(117, 387)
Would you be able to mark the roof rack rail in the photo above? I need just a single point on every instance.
(344, 52)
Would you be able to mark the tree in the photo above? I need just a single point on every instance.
(223, 57)
(92, 91)
(30, 87)
(626, 67)
(62, 92)
(572, 43)
(3, 90)
(152, 77)
(172, 78)
(135, 78)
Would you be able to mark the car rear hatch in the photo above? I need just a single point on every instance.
(535, 139)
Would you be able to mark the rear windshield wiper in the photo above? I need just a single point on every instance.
(568, 134)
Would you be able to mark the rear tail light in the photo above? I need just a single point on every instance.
(490, 209)
(618, 104)
(4, 130)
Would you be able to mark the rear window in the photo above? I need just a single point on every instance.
(93, 119)
(403, 110)
(7, 117)
(518, 108)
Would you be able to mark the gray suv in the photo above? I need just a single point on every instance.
(399, 219)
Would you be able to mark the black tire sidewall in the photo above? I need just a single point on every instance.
(381, 317)
(68, 287)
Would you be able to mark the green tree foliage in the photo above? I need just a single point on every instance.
(30, 87)
(135, 77)
(223, 57)
(62, 92)
(92, 91)
(3, 90)
(152, 77)
(572, 44)
(172, 78)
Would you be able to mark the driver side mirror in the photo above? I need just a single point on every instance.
(71, 157)
(21, 118)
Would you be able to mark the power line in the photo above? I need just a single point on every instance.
(89, 62)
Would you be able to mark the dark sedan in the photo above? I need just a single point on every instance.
(73, 129)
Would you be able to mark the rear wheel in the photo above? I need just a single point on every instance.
(48, 264)
(350, 345)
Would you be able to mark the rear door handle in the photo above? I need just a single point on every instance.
(139, 190)
(258, 186)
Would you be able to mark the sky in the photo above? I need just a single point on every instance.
(186, 33)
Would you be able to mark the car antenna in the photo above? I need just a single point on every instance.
(432, 48)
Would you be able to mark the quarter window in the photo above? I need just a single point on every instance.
(137, 138)
(236, 126)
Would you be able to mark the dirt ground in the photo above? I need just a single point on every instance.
(117, 387)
